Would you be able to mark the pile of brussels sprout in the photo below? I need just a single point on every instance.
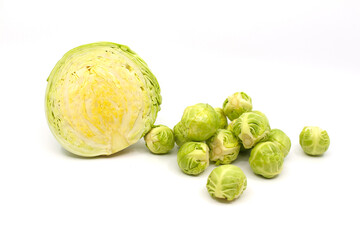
(204, 136)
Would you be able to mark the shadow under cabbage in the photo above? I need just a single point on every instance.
(138, 147)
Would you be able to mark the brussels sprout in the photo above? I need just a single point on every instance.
(237, 104)
(179, 132)
(224, 147)
(193, 157)
(250, 128)
(226, 182)
(279, 137)
(160, 139)
(100, 99)
(200, 122)
(314, 140)
(266, 159)
(222, 118)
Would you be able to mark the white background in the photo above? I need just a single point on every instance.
(298, 60)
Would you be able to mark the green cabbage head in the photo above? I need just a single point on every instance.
(266, 159)
(179, 133)
(224, 147)
(250, 128)
(193, 157)
(226, 182)
(279, 137)
(199, 122)
(100, 99)
(237, 104)
(160, 139)
(222, 117)
(314, 140)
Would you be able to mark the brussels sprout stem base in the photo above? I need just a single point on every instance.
(247, 141)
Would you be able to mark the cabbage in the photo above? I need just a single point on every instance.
(100, 99)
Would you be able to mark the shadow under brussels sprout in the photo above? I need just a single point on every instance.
(265, 178)
(244, 155)
(312, 156)
(224, 201)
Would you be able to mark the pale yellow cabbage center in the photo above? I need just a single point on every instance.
(98, 102)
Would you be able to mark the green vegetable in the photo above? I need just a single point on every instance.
(160, 139)
(199, 122)
(222, 117)
(314, 140)
(266, 159)
(237, 104)
(179, 132)
(100, 99)
(226, 182)
(250, 128)
(279, 137)
(193, 157)
(224, 147)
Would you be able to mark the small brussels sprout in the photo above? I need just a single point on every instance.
(237, 104)
(279, 137)
(266, 159)
(193, 157)
(160, 139)
(179, 132)
(226, 182)
(222, 117)
(224, 147)
(200, 122)
(250, 128)
(314, 140)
